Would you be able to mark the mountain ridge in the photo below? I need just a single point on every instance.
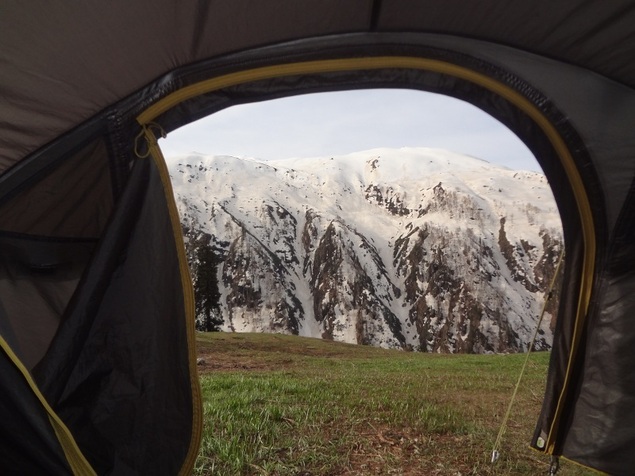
(410, 248)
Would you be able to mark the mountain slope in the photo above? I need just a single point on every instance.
(410, 248)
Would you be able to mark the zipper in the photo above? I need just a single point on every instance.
(154, 152)
(74, 456)
(442, 67)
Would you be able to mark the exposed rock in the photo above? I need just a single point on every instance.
(450, 259)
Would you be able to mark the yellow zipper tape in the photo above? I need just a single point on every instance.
(437, 66)
(76, 460)
(188, 297)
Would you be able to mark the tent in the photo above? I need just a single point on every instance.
(96, 315)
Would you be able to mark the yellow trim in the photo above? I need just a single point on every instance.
(584, 466)
(513, 96)
(188, 297)
(76, 460)
(579, 465)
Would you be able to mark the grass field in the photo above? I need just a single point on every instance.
(285, 405)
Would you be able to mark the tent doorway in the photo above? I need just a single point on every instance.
(222, 199)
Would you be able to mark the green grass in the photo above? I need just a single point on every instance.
(283, 405)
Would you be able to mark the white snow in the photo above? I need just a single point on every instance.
(229, 195)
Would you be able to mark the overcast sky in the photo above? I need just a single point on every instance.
(327, 124)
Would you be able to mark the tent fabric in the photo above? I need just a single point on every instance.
(105, 377)
(45, 247)
(23, 415)
(124, 337)
(67, 62)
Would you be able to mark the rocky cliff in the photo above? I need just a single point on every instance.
(412, 248)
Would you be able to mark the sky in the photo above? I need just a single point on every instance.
(329, 124)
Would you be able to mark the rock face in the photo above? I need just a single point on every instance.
(413, 248)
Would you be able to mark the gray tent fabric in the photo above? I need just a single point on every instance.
(96, 320)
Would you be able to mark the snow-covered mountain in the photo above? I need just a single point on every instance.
(404, 248)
